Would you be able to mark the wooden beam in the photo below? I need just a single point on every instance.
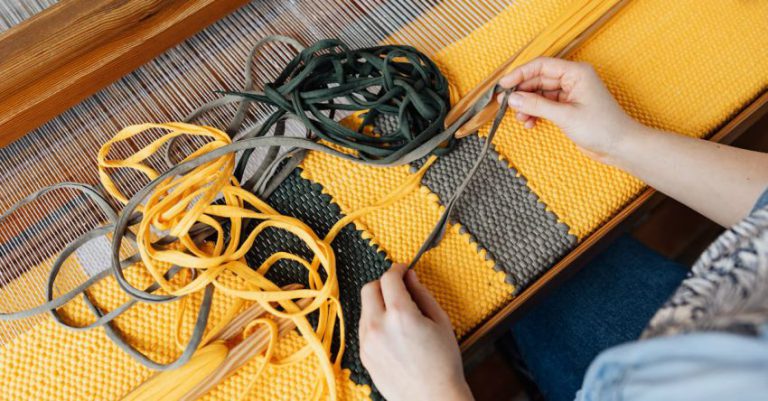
(68, 52)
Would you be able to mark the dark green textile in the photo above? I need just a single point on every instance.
(358, 262)
(328, 77)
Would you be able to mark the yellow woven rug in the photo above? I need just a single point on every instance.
(685, 66)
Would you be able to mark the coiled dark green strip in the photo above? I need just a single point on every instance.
(394, 80)
(389, 80)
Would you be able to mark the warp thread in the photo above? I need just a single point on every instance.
(385, 80)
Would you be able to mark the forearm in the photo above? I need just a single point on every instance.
(718, 181)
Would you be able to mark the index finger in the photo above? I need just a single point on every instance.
(393, 290)
(371, 300)
(547, 67)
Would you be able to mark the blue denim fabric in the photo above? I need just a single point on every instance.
(608, 302)
(700, 366)
(762, 201)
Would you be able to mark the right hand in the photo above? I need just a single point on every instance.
(407, 343)
(572, 96)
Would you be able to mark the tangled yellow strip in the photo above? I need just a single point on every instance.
(180, 202)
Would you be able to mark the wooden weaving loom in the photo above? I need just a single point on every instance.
(74, 73)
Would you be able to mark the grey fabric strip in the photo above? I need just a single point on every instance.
(499, 210)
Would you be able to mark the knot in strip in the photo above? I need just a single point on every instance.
(393, 80)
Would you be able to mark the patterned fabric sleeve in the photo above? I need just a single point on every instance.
(727, 289)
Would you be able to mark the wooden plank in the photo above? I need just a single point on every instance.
(54, 60)
(499, 323)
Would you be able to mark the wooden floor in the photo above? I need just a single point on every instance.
(670, 228)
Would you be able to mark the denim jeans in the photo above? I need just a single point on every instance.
(608, 302)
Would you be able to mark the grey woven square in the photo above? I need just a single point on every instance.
(500, 212)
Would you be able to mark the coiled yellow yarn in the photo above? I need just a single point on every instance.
(180, 202)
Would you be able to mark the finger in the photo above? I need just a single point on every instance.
(425, 301)
(536, 105)
(542, 66)
(371, 300)
(530, 123)
(393, 290)
(540, 83)
(371, 305)
(555, 95)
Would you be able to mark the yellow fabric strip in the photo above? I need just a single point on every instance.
(87, 365)
(178, 202)
(283, 383)
(685, 66)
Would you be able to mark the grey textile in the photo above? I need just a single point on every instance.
(500, 212)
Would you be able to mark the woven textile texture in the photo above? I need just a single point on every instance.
(501, 213)
(51, 363)
(684, 66)
(461, 278)
(357, 261)
(670, 64)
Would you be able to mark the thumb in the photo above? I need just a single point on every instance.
(425, 301)
(536, 105)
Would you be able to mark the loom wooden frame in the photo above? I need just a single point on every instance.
(71, 50)
(85, 57)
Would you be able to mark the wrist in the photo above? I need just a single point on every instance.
(625, 145)
(460, 392)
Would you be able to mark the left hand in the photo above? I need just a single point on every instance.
(407, 341)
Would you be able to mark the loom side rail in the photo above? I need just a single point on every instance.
(69, 51)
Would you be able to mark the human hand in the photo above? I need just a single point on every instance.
(572, 96)
(407, 341)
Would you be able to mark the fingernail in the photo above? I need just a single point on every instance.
(515, 100)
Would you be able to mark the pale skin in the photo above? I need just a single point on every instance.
(407, 342)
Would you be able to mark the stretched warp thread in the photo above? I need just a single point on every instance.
(181, 202)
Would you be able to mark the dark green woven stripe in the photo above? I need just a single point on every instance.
(357, 261)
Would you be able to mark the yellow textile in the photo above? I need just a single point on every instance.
(180, 201)
(685, 66)
(51, 363)
(553, 39)
(15, 294)
(470, 290)
(286, 383)
(714, 60)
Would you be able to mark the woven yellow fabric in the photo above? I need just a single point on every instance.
(461, 279)
(652, 64)
(51, 363)
(684, 66)
(15, 294)
(287, 383)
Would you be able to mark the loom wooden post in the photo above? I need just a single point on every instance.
(59, 57)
